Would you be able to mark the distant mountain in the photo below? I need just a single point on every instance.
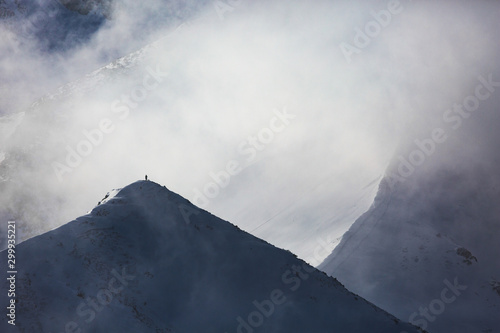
(58, 25)
(85, 7)
(52, 24)
(147, 260)
(427, 250)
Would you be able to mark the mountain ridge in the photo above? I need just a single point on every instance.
(146, 259)
(421, 236)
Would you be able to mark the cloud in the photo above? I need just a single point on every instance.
(226, 77)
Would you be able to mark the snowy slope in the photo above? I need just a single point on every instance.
(417, 236)
(147, 260)
(427, 250)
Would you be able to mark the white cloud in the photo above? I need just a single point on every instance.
(225, 79)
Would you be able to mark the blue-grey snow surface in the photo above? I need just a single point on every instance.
(147, 260)
(427, 251)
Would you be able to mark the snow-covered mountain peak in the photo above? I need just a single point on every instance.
(152, 199)
(141, 192)
(147, 260)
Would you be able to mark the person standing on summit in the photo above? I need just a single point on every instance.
(146, 176)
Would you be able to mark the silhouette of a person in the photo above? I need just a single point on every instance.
(146, 177)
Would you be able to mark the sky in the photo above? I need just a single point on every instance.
(278, 116)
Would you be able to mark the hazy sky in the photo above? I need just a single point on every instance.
(303, 104)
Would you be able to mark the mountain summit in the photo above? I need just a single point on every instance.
(147, 260)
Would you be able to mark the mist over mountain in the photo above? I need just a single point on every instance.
(48, 43)
(431, 223)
